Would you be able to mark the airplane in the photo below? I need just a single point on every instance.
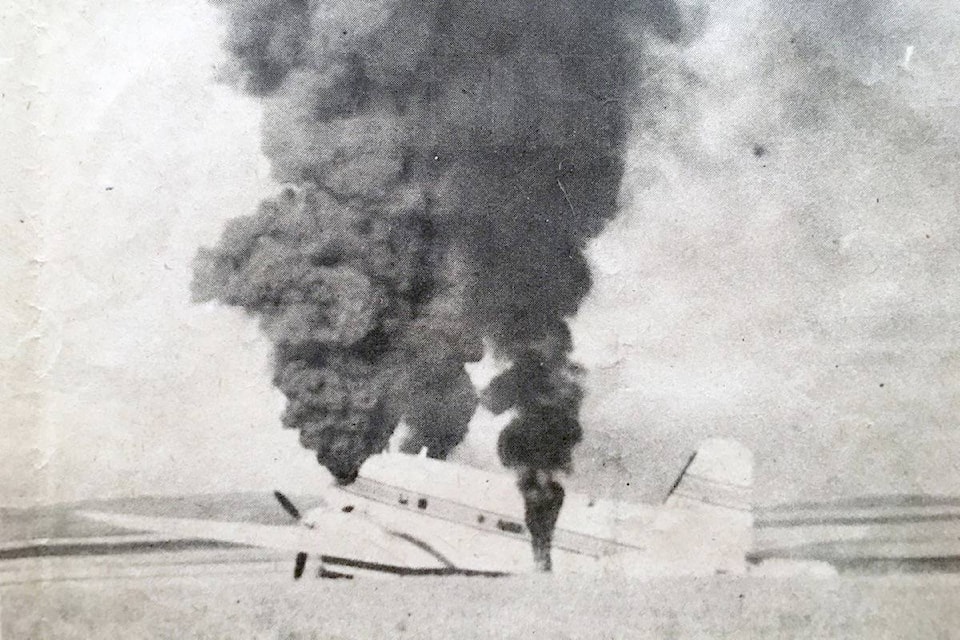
(408, 515)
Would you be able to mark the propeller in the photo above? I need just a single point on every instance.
(301, 561)
(287, 505)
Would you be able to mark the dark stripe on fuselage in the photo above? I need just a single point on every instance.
(409, 571)
(420, 544)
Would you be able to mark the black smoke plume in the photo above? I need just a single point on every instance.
(448, 161)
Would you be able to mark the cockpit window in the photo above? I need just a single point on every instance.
(347, 508)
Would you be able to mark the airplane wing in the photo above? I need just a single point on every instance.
(352, 538)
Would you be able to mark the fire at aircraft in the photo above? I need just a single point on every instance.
(446, 163)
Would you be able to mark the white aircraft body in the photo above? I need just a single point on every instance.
(411, 515)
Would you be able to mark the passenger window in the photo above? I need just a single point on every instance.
(422, 503)
(403, 500)
(509, 527)
(481, 519)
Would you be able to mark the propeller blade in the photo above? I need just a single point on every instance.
(299, 565)
(287, 505)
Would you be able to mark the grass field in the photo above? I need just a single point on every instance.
(271, 605)
(248, 593)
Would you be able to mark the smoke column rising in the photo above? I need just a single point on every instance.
(447, 163)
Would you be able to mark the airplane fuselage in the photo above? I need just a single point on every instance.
(474, 519)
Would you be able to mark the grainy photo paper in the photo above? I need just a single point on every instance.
(480, 319)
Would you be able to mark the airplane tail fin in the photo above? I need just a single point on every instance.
(718, 476)
(708, 519)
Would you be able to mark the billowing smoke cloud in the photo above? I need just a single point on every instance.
(449, 161)
(814, 175)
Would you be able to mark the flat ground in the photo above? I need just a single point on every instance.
(261, 601)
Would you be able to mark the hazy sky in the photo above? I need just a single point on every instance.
(784, 270)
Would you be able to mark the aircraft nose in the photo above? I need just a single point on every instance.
(337, 501)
